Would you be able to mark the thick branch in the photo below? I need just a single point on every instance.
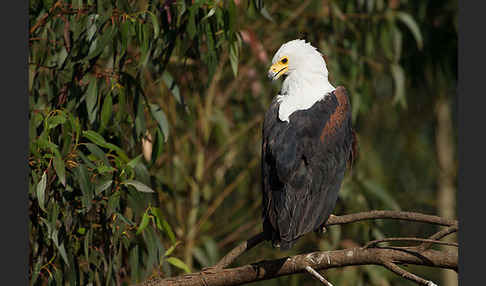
(317, 260)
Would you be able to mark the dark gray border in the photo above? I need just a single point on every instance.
(471, 141)
(14, 140)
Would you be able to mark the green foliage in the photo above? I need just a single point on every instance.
(145, 122)
(92, 202)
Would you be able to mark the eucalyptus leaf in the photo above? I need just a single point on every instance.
(141, 187)
(178, 263)
(60, 168)
(399, 79)
(412, 26)
(103, 186)
(144, 223)
(41, 191)
(106, 112)
(155, 23)
(159, 116)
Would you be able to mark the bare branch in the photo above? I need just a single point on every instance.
(409, 216)
(241, 248)
(439, 235)
(432, 241)
(317, 276)
(405, 274)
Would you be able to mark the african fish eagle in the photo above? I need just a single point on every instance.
(308, 141)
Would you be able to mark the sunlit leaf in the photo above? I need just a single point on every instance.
(103, 186)
(144, 223)
(211, 13)
(171, 249)
(172, 85)
(399, 79)
(54, 121)
(41, 191)
(141, 187)
(161, 119)
(178, 263)
(412, 25)
(106, 111)
(162, 224)
(155, 23)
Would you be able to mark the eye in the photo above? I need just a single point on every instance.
(284, 60)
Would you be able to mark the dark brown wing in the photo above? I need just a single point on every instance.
(303, 164)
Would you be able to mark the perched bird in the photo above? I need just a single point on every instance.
(308, 142)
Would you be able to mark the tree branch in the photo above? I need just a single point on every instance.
(338, 220)
(409, 216)
(439, 235)
(405, 274)
(317, 276)
(388, 257)
(264, 270)
(240, 249)
(428, 241)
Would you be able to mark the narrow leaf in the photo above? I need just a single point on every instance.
(172, 248)
(141, 187)
(52, 122)
(211, 13)
(399, 79)
(41, 188)
(155, 22)
(92, 99)
(103, 186)
(412, 25)
(162, 224)
(178, 263)
(172, 86)
(106, 112)
(161, 119)
(143, 223)
(60, 169)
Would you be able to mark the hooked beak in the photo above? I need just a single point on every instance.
(277, 70)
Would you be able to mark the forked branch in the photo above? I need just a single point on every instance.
(388, 257)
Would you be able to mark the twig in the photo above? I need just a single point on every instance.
(240, 249)
(439, 235)
(433, 241)
(410, 216)
(317, 276)
(405, 274)
(446, 231)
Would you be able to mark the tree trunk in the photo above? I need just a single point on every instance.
(447, 172)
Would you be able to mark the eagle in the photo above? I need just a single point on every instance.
(308, 144)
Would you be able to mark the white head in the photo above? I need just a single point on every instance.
(306, 74)
(297, 56)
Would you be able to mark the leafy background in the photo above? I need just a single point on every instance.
(145, 130)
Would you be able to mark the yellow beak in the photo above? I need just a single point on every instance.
(277, 70)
